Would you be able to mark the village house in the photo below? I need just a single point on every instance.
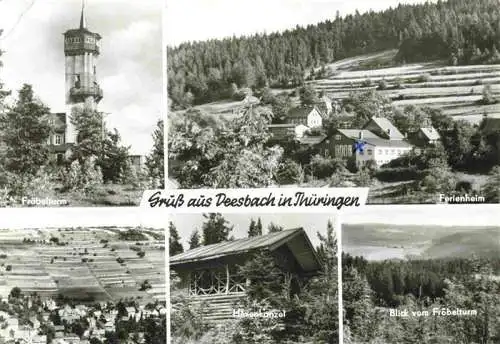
(424, 137)
(383, 128)
(298, 121)
(210, 273)
(308, 116)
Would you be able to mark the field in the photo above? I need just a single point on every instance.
(84, 264)
(455, 90)
(379, 242)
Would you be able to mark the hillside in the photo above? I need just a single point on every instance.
(85, 264)
(457, 91)
(455, 32)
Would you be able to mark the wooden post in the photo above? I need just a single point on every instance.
(227, 278)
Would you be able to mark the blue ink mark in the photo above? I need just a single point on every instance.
(359, 146)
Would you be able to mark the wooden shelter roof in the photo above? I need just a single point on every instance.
(296, 239)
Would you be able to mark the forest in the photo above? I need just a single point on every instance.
(370, 288)
(311, 316)
(457, 32)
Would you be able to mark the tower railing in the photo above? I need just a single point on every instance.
(86, 91)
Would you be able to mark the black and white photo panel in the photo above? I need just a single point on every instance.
(253, 278)
(80, 102)
(81, 277)
(421, 274)
(402, 97)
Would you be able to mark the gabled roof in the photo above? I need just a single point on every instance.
(312, 140)
(354, 133)
(431, 133)
(385, 125)
(300, 111)
(380, 142)
(296, 239)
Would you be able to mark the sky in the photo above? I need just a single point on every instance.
(192, 20)
(129, 68)
(430, 214)
(312, 223)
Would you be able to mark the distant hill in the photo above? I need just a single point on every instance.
(464, 244)
(432, 241)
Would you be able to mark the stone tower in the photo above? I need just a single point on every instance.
(81, 50)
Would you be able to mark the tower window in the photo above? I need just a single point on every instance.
(58, 139)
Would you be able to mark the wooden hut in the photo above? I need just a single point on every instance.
(209, 273)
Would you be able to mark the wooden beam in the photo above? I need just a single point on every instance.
(228, 276)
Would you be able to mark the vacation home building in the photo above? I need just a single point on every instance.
(210, 274)
(377, 143)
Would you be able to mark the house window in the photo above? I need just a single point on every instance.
(58, 139)
(392, 151)
(338, 137)
(361, 152)
(369, 151)
(380, 151)
(386, 151)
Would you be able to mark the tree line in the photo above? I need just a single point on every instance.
(467, 284)
(391, 280)
(458, 31)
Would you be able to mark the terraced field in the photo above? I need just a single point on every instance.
(86, 264)
(455, 90)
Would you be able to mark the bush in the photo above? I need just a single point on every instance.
(367, 83)
(398, 174)
(187, 322)
(382, 85)
(289, 172)
(424, 78)
(325, 167)
(84, 178)
(398, 83)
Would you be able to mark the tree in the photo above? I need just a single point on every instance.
(273, 228)
(194, 240)
(308, 95)
(215, 229)
(491, 189)
(488, 97)
(15, 293)
(89, 125)
(175, 247)
(114, 159)
(251, 228)
(155, 161)
(226, 154)
(25, 130)
(93, 140)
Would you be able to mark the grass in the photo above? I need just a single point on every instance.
(106, 195)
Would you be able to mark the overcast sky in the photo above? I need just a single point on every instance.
(129, 68)
(191, 20)
(431, 214)
(312, 224)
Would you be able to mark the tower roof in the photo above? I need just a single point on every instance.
(83, 19)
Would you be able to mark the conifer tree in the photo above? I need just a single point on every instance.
(155, 161)
(194, 239)
(175, 247)
(215, 229)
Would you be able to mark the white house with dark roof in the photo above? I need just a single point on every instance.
(309, 116)
(379, 141)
